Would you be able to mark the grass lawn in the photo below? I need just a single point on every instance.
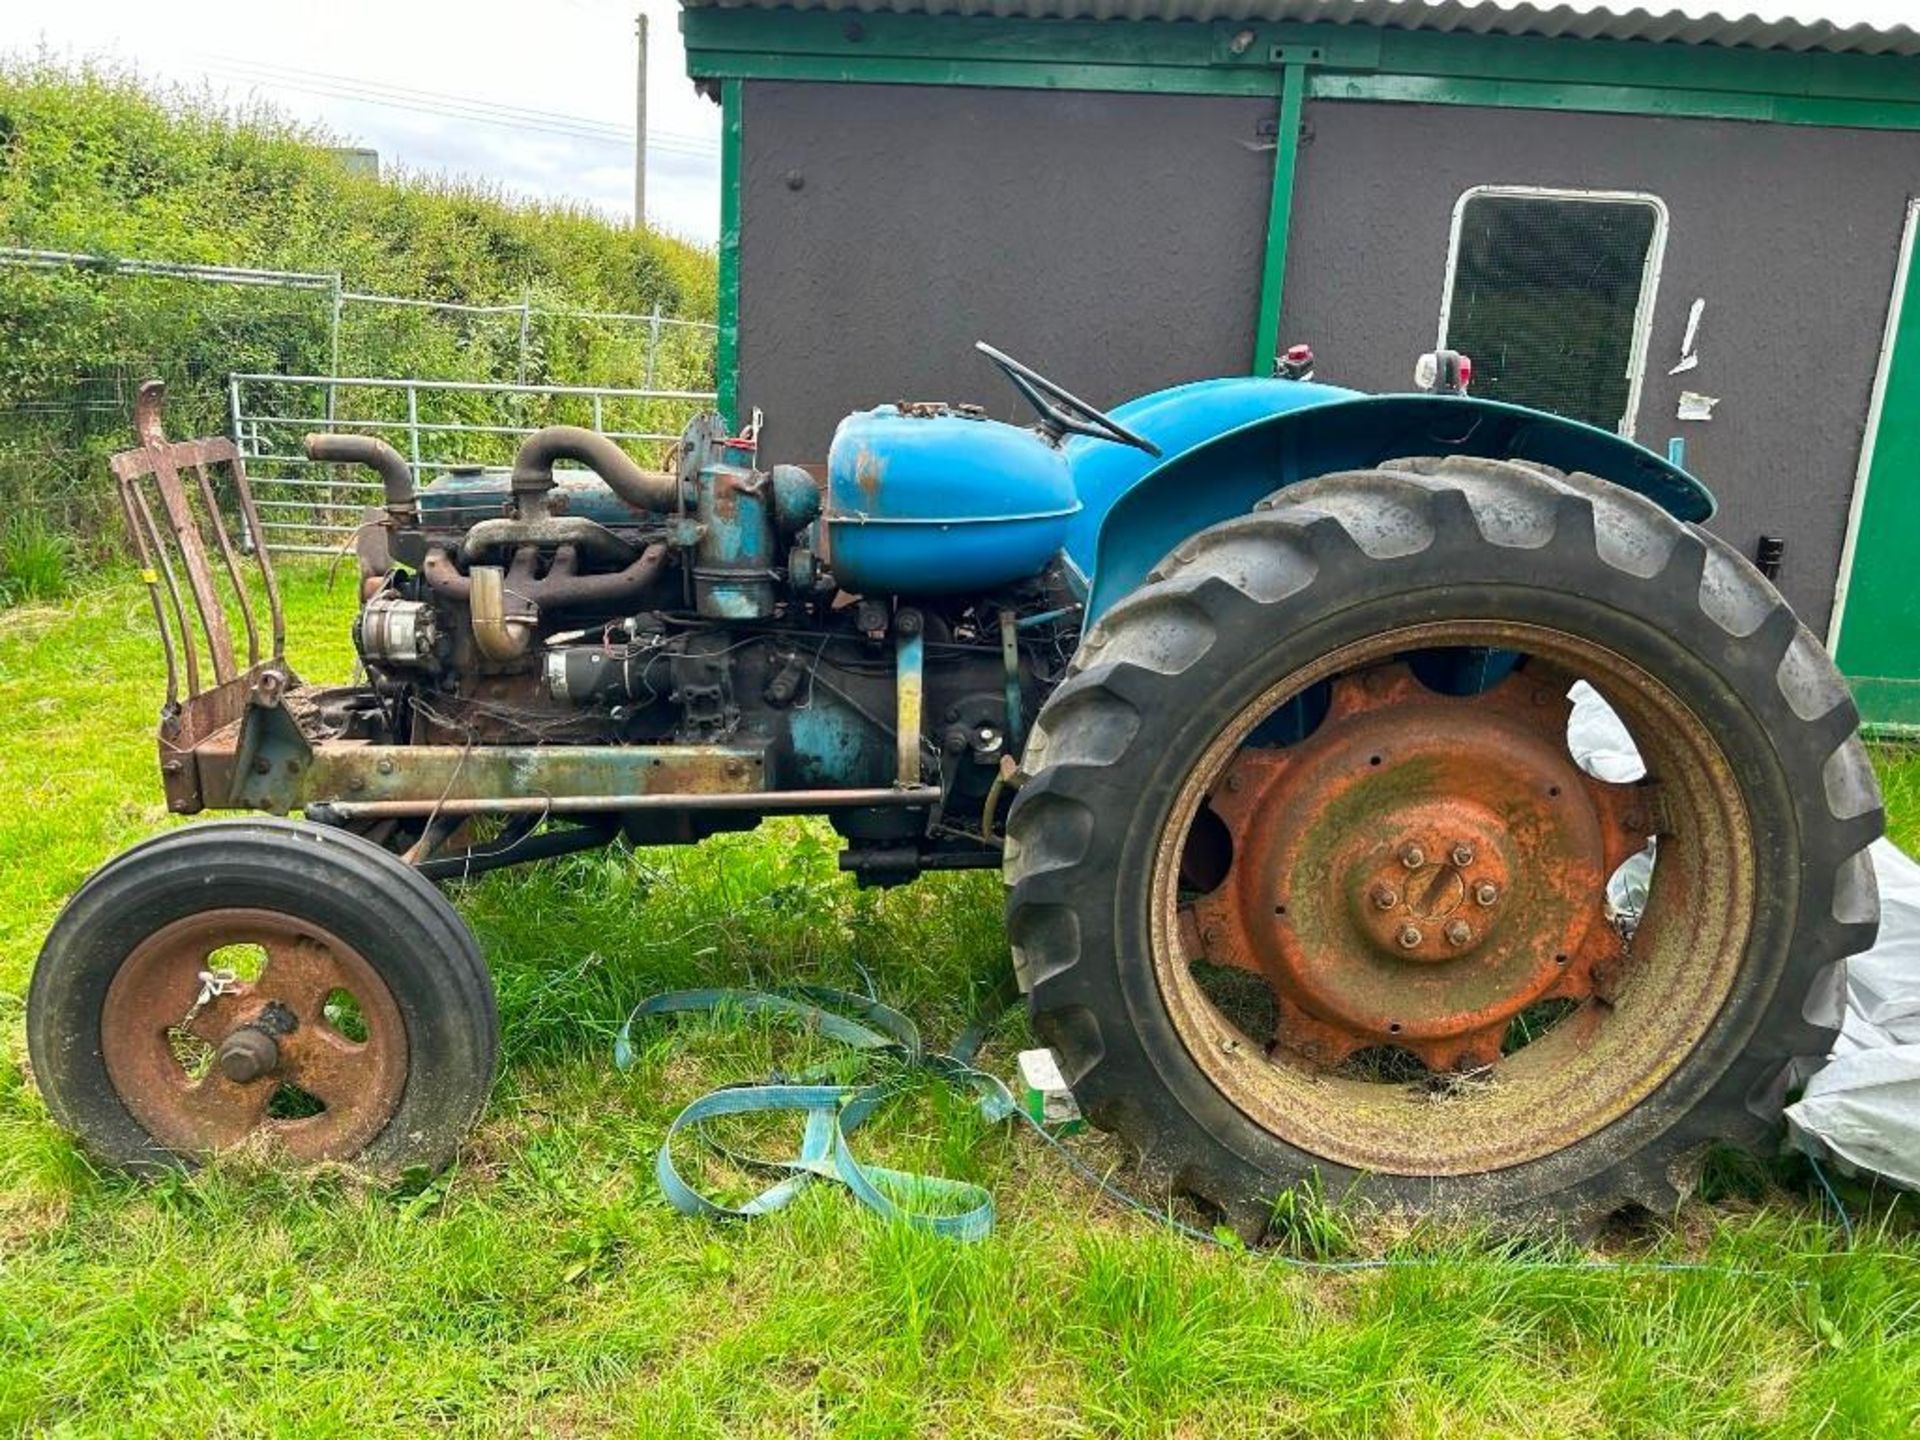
(545, 1288)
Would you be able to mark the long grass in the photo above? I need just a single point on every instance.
(36, 562)
(544, 1287)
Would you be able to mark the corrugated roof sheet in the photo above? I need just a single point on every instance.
(1784, 27)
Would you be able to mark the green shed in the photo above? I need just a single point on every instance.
(1695, 228)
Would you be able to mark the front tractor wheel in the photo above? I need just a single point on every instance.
(1309, 877)
(262, 981)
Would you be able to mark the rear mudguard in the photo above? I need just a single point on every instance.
(1228, 443)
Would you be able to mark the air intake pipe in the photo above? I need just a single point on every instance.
(381, 458)
(655, 491)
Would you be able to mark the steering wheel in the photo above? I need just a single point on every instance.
(1062, 413)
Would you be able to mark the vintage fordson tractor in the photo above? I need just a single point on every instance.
(1256, 690)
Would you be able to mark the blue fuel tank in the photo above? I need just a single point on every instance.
(932, 500)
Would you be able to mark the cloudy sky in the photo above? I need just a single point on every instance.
(534, 95)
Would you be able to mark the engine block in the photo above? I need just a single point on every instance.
(698, 611)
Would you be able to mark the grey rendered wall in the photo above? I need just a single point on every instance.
(1114, 242)
(1790, 234)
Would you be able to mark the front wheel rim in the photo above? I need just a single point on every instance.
(205, 1068)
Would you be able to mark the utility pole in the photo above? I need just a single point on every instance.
(640, 130)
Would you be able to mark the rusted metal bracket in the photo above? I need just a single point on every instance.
(176, 564)
(272, 757)
(910, 693)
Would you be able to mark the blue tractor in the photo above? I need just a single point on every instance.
(1257, 691)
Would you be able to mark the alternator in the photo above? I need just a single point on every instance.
(390, 631)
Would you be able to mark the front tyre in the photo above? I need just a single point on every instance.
(350, 1016)
(1307, 880)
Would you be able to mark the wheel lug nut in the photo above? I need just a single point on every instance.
(1485, 893)
(247, 1054)
(1385, 896)
(1413, 857)
(1410, 936)
(1459, 933)
(1463, 855)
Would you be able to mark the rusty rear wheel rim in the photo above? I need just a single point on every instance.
(317, 1022)
(1421, 871)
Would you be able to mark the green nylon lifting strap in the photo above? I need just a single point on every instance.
(834, 1111)
(957, 1209)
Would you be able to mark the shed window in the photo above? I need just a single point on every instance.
(1550, 292)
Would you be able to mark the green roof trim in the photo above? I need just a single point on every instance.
(1618, 100)
(1811, 27)
(1345, 62)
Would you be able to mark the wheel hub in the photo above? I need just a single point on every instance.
(248, 1054)
(199, 1065)
(1418, 871)
(1412, 897)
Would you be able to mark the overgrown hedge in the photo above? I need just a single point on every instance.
(98, 161)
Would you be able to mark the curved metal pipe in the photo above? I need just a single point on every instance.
(561, 587)
(574, 530)
(652, 490)
(504, 616)
(563, 590)
(444, 576)
(378, 456)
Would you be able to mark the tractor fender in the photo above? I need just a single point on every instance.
(1225, 475)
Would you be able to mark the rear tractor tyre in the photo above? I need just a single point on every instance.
(350, 1017)
(1308, 882)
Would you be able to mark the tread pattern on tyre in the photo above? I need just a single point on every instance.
(1271, 567)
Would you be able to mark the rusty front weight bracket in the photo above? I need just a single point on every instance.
(174, 555)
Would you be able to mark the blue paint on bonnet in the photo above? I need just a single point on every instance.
(941, 503)
(1176, 419)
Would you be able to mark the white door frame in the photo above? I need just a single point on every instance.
(1649, 275)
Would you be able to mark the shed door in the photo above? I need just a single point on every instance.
(1875, 634)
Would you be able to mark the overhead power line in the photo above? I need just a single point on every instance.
(472, 116)
(459, 101)
(511, 117)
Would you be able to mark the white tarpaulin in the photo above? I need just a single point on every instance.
(1862, 1108)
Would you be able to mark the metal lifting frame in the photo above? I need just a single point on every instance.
(165, 550)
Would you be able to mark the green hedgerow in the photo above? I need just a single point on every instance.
(104, 162)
